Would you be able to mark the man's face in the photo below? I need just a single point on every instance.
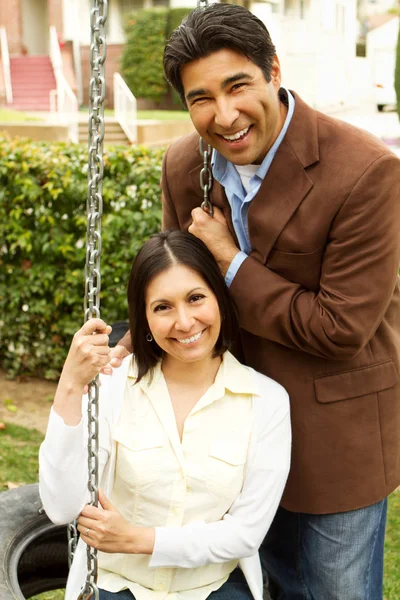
(232, 106)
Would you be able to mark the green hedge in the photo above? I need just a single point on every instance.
(142, 58)
(43, 190)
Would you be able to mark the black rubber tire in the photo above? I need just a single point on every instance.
(118, 331)
(380, 107)
(33, 551)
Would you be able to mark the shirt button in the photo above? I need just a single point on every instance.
(160, 587)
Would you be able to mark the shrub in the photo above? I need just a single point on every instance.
(141, 62)
(175, 17)
(43, 190)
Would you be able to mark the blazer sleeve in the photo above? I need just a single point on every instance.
(358, 277)
(240, 532)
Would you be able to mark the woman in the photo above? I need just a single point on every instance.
(194, 447)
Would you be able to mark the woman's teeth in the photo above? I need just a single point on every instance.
(191, 339)
(236, 136)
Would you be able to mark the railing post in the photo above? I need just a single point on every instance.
(5, 57)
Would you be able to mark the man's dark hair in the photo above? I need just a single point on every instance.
(159, 253)
(218, 26)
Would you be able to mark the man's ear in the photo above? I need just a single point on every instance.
(276, 72)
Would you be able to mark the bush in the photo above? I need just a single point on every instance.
(43, 190)
(141, 62)
(175, 17)
(142, 58)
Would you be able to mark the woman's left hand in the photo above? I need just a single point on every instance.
(105, 529)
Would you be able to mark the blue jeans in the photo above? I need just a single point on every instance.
(235, 588)
(326, 557)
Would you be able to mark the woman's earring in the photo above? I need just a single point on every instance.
(149, 337)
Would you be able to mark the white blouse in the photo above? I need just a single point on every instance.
(211, 497)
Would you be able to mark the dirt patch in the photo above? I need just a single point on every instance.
(26, 402)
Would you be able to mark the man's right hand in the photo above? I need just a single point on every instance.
(117, 355)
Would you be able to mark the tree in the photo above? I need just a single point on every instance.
(141, 63)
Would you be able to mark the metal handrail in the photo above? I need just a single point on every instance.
(5, 58)
(125, 108)
(66, 106)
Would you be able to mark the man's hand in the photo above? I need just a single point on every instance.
(107, 530)
(215, 234)
(116, 356)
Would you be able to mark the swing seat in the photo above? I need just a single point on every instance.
(33, 551)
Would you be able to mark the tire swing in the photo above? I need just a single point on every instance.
(34, 553)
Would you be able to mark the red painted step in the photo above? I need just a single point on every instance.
(32, 79)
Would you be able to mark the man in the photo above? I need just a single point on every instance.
(306, 231)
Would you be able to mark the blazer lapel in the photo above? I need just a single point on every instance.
(286, 183)
(281, 192)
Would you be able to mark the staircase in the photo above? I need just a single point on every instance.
(32, 78)
(113, 133)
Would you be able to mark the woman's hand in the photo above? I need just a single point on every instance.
(106, 529)
(89, 352)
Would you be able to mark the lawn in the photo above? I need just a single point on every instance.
(11, 116)
(18, 464)
(164, 115)
(7, 115)
(157, 115)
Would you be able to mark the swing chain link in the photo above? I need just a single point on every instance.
(206, 178)
(97, 90)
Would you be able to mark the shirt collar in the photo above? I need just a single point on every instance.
(231, 375)
(220, 165)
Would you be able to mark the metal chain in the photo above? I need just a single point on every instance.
(206, 178)
(97, 89)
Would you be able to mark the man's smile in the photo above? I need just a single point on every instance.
(234, 137)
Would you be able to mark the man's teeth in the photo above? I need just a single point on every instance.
(191, 339)
(237, 135)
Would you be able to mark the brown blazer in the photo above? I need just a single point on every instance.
(319, 300)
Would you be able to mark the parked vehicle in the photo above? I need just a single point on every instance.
(384, 63)
(381, 54)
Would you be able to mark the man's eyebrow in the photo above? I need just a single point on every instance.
(197, 92)
(226, 82)
(235, 78)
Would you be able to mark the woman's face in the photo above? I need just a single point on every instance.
(183, 315)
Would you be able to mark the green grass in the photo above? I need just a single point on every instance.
(164, 115)
(18, 464)
(157, 115)
(54, 595)
(8, 116)
(18, 455)
(392, 549)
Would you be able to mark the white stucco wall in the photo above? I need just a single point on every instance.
(35, 26)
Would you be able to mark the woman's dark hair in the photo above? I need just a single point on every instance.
(216, 27)
(159, 253)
